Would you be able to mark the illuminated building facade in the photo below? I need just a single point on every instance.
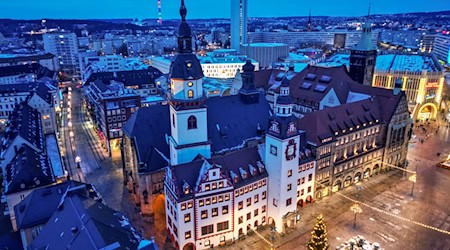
(238, 29)
(422, 77)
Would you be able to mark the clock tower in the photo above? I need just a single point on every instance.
(188, 113)
(363, 56)
(282, 158)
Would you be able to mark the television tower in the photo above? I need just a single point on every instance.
(159, 13)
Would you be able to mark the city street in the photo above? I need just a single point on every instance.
(102, 171)
(390, 195)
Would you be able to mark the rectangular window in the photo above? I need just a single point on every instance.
(249, 202)
(240, 205)
(273, 150)
(201, 203)
(204, 214)
(207, 187)
(256, 198)
(263, 209)
(222, 226)
(187, 217)
(227, 197)
(187, 235)
(249, 216)
(289, 173)
(240, 219)
(207, 201)
(215, 212)
(264, 194)
(288, 202)
(309, 189)
(275, 202)
(214, 200)
(189, 204)
(255, 213)
(289, 187)
(225, 209)
(214, 186)
(310, 177)
(207, 229)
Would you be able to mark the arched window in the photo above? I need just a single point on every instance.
(192, 122)
(190, 94)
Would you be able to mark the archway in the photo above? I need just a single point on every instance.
(189, 246)
(367, 173)
(241, 232)
(358, 177)
(348, 181)
(309, 199)
(376, 169)
(337, 186)
(271, 222)
(427, 111)
(255, 225)
(300, 203)
(159, 212)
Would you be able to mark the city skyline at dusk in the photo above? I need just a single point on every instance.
(202, 9)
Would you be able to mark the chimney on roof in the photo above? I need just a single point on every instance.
(398, 86)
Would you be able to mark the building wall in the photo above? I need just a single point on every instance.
(265, 54)
(441, 47)
(8, 101)
(65, 48)
(16, 78)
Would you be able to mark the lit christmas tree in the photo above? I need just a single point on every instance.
(318, 239)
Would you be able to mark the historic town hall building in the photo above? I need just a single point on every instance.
(225, 166)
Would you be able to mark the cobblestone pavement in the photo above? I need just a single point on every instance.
(390, 193)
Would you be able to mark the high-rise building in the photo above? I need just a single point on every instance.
(363, 56)
(65, 47)
(441, 46)
(238, 29)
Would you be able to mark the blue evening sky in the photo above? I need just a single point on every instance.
(87, 9)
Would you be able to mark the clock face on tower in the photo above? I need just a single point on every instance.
(291, 150)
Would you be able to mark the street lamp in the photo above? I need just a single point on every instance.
(71, 134)
(69, 124)
(78, 160)
(356, 209)
(412, 179)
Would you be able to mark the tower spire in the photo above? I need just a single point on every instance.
(309, 20)
(183, 11)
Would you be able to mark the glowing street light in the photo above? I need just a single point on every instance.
(356, 209)
(71, 134)
(69, 124)
(412, 179)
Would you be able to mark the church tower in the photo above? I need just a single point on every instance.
(282, 158)
(188, 113)
(363, 56)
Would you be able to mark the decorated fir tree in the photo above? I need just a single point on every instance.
(318, 239)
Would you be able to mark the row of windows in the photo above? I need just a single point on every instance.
(249, 188)
(186, 204)
(357, 136)
(117, 118)
(210, 228)
(364, 124)
(214, 185)
(115, 112)
(323, 175)
(214, 200)
(249, 200)
(249, 215)
(214, 213)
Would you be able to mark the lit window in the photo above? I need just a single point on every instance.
(190, 84)
(187, 217)
(190, 94)
(187, 235)
(204, 214)
(289, 173)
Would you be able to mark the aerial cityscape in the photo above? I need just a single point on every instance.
(240, 124)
